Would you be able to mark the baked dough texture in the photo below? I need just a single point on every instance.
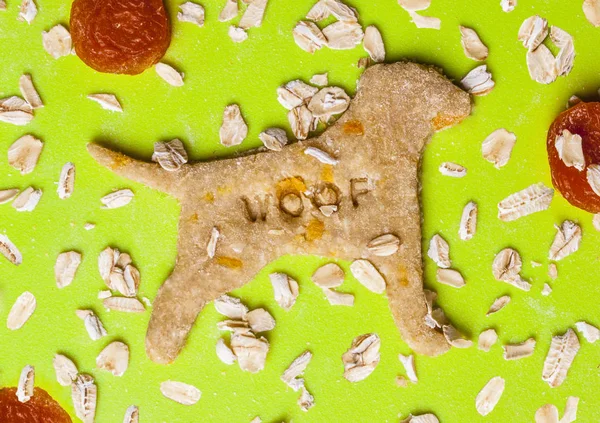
(266, 204)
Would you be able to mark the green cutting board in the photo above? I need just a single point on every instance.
(219, 72)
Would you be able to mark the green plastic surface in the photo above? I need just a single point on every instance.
(219, 72)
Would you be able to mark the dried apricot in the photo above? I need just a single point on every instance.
(120, 36)
(582, 119)
(41, 408)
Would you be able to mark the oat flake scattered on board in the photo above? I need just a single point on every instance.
(439, 252)
(114, 358)
(7, 195)
(21, 311)
(421, 418)
(169, 74)
(27, 200)
(10, 251)
(533, 31)
(518, 351)
(180, 392)
(362, 357)
(590, 332)
(231, 307)
(487, 339)
(367, 274)
(309, 36)
(497, 147)
(373, 44)
(24, 153)
(191, 12)
(124, 304)
(498, 304)
(132, 415)
(478, 81)
(561, 354)
(237, 34)
(260, 320)
(338, 298)
(229, 11)
(27, 11)
(535, 198)
(408, 362)
(29, 92)
(472, 44)
(455, 338)
(25, 387)
(291, 376)
(285, 289)
(107, 101)
(591, 10)
(489, 396)
(452, 169)
(342, 35)
(250, 351)
(566, 241)
(117, 199)
(66, 181)
(542, 65)
(84, 394)
(468, 221)
(66, 267)
(450, 277)
(329, 275)
(508, 5)
(234, 129)
(57, 42)
(254, 14)
(428, 22)
(65, 369)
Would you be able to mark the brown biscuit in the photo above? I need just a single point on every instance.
(378, 143)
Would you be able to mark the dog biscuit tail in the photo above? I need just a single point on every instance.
(150, 174)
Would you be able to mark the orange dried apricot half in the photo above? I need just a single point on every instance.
(120, 36)
(582, 119)
(41, 408)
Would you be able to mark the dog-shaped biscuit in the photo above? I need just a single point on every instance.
(267, 204)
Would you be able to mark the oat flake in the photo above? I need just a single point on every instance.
(192, 12)
(285, 289)
(24, 153)
(25, 388)
(532, 199)
(66, 181)
(10, 251)
(21, 311)
(107, 101)
(29, 92)
(489, 396)
(439, 252)
(367, 274)
(180, 392)
(234, 129)
(169, 74)
(561, 354)
(66, 267)
(57, 42)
